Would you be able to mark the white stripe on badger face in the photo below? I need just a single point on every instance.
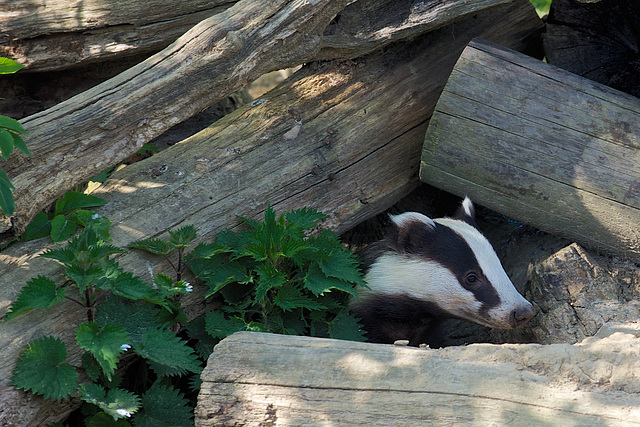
(421, 280)
(510, 298)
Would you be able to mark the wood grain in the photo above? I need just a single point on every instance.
(540, 145)
(253, 379)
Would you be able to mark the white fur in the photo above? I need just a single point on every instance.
(467, 206)
(408, 217)
(510, 298)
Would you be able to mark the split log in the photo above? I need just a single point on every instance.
(255, 379)
(96, 129)
(540, 145)
(350, 126)
(599, 40)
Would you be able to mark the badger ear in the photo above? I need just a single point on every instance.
(408, 232)
(467, 212)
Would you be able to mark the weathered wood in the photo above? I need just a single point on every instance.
(49, 35)
(255, 379)
(350, 126)
(86, 134)
(540, 145)
(598, 40)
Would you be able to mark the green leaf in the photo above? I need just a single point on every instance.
(83, 277)
(218, 326)
(132, 287)
(117, 403)
(161, 346)
(102, 419)
(106, 343)
(343, 265)
(76, 200)
(9, 66)
(269, 278)
(62, 228)
(290, 297)
(7, 204)
(152, 245)
(163, 406)
(219, 272)
(40, 292)
(91, 367)
(304, 218)
(41, 370)
(183, 236)
(6, 143)
(346, 327)
(207, 250)
(98, 223)
(40, 226)
(136, 317)
(21, 145)
(318, 283)
(11, 124)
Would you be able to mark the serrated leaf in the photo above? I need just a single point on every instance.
(40, 226)
(152, 245)
(106, 343)
(98, 223)
(84, 277)
(342, 265)
(269, 278)
(62, 228)
(9, 66)
(41, 370)
(136, 317)
(40, 292)
(163, 406)
(63, 255)
(102, 419)
(161, 346)
(304, 218)
(346, 327)
(218, 326)
(207, 250)
(76, 200)
(7, 203)
(6, 143)
(318, 283)
(217, 272)
(91, 367)
(132, 287)
(289, 297)
(117, 403)
(183, 236)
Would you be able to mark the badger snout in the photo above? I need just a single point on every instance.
(521, 315)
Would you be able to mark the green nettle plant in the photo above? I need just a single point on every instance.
(124, 317)
(278, 277)
(10, 131)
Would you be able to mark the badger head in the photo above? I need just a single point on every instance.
(450, 266)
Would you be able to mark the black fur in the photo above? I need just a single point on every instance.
(387, 318)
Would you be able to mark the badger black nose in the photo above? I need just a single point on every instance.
(521, 316)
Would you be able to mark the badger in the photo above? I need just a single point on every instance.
(426, 270)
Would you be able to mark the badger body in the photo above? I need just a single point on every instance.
(426, 270)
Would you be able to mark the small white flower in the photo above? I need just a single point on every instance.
(188, 287)
(123, 412)
(96, 216)
(125, 347)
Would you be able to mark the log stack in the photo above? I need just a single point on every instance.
(343, 136)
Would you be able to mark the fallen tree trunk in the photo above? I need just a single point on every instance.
(314, 141)
(54, 35)
(254, 379)
(540, 145)
(96, 129)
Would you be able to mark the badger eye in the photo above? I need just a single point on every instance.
(472, 278)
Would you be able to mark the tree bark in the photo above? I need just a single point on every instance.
(331, 137)
(256, 379)
(539, 145)
(98, 128)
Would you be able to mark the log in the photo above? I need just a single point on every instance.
(255, 379)
(53, 35)
(259, 153)
(78, 138)
(540, 145)
(598, 40)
